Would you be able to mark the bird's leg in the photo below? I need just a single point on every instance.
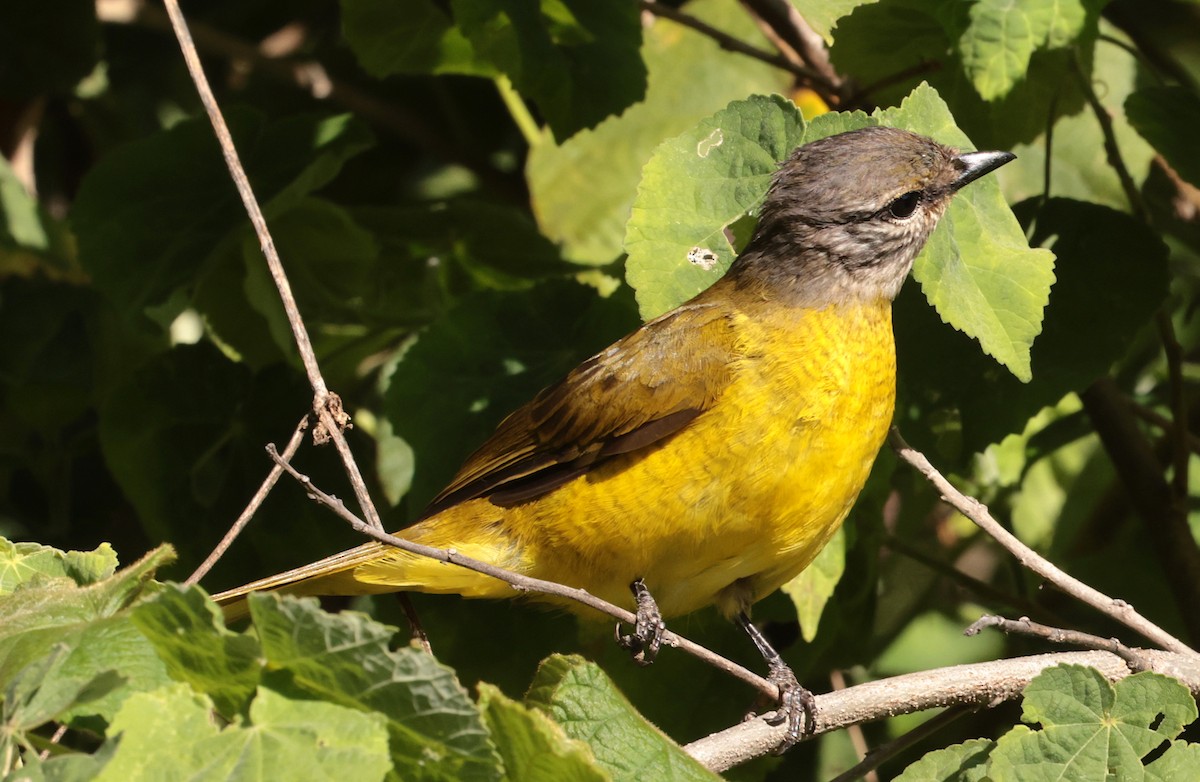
(797, 706)
(646, 637)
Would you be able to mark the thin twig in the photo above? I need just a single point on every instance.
(791, 33)
(57, 737)
(984, 684)
(252, 507)
(924, 67)
(1111, 148)
(885, 752)
(729, 43)
(326, 405)
(977, 512)
(416, 629)
(1059, 635)
(522, 583)
(1160, 421)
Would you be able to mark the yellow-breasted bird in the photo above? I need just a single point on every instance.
(709, 455)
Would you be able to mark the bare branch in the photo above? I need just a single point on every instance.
(522, 583)
(1111, 148)
(983, 684)
(976, 511)
(791, 33)
(326, 406)
(729, 43)
(252, 507)
(1058, 635)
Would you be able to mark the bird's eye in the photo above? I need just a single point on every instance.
(904, 206)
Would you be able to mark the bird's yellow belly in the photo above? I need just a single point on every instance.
(742, 499)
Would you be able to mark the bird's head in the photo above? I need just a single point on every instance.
(847, 214)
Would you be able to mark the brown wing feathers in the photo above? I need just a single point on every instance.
(608, 405)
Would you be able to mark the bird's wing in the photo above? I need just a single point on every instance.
(634, 393)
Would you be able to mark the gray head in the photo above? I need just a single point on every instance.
(846, 214)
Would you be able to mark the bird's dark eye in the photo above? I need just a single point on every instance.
(904, 206)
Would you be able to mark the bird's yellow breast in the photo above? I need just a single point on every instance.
(730, 507)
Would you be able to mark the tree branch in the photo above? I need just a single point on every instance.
(522, 583)
(982, 684)
(729, 43)
(259, 497)
(792, 35)
(978, 513)
(1058, 635)
(327, 406)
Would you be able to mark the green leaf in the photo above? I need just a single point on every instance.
(966, 762)
(63, 350)
(120, 212)
(284, 739)
(1002, 36)
(811, 590)
(1165, 116)
(533, 747)
(188, 634)
(21, 563)
(1093, 245)
(892, 45)
(330, 260)
(580, 698)
(577, 60)
(1079, 165)
(435, 731)
(997, 46)
(977, 268)
(177, 467)
(416, 37)
(88, 621)
(488, 355)
(822, 15)
(1180, 761)
(693, 187)
(689, 78)
(46, 688)
(70, 767)
(1090, 729)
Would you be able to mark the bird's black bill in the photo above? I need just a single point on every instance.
(973, 165)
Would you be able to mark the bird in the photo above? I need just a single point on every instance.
(708, 456)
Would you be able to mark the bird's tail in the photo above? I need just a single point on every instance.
(374, 568)
(330, 576)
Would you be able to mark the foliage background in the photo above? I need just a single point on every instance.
(450, 194)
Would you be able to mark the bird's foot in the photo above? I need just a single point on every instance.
(797, 706)
(646, 638)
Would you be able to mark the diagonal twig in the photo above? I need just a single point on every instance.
(252, 507)
(729, 43)
(977, 512)
(327, 406)
(521, 583)
(1059, 635)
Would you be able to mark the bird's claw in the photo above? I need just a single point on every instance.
(797, 706)
(643, 643)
